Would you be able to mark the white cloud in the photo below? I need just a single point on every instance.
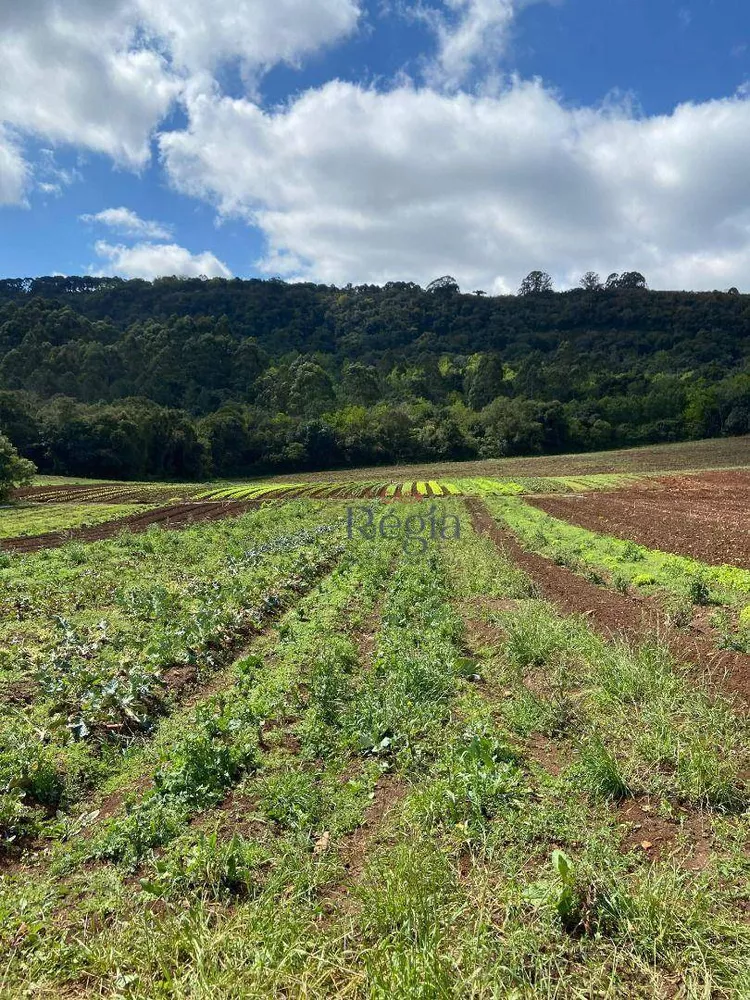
(155, 260)
(470, 33)
(14, 174)
(76, 74)
(258, 32)
(125, 222)
(349, 183)
(49, 177)
(102, 74)
(352, 184)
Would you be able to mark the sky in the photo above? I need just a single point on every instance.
(377, 140)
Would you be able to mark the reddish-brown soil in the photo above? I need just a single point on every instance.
(686, 838)
(172, 516)
(105, 493)
(705, 516)
(613, 613)
(719, 453)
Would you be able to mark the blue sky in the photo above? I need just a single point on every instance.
(345, 141)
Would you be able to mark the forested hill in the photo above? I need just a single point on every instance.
(189, 378)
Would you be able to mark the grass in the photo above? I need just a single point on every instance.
(407, 782)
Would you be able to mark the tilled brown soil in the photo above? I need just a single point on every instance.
(705, 516)
(612, 613)
(717, 453)
(172, 516)
(687, 837)
(105, 493)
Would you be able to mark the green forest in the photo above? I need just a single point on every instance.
(191, 378)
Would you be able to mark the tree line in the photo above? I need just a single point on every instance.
(188, 378)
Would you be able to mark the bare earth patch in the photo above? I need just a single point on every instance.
(705, 516)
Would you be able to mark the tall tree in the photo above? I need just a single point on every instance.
(535, 283)
(632, 280)
(591, 282)
(447, 285)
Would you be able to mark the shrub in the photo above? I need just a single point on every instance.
(698, 590)
(14, 470)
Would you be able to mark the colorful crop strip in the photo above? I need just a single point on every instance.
(342, 489)
(471, 486)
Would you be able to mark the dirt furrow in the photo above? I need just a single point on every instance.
(709, 520)
(613, 613)
(173, 516)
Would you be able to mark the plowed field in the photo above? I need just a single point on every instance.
(613, 613)
(705, 516)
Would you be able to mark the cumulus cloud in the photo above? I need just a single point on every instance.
(156, 260)
(14, 174)
(257, 32)
(101, 74)
(75, 73)
(352, 184)
(127, 223)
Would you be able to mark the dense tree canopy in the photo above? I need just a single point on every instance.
(188, 378)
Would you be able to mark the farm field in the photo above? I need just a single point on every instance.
(118, 519)
(706, 516)
(33, 519)
(721, 453)
(418, 744)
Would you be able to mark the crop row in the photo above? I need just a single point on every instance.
(679, 582)
(113, 493)
(475, 486)
(37, 519)
(355, 720)
(105, 671)
(472, 486)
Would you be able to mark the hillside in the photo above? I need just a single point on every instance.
(194, 378)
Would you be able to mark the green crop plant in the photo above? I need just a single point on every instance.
(99, 655)
(451, 488)
(411, 785)
(622, 563)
